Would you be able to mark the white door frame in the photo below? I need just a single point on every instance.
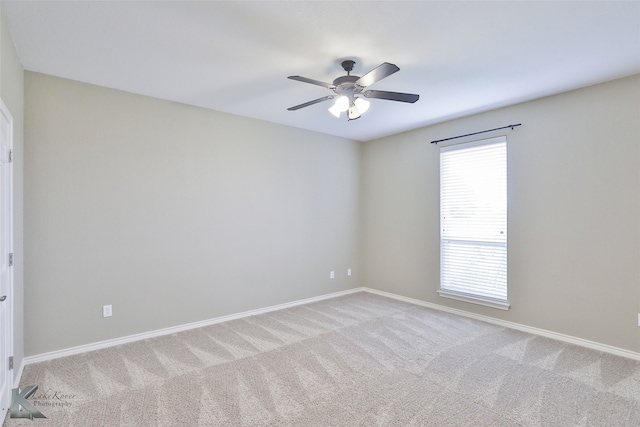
(6, 248)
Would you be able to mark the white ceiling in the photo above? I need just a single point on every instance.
(462, 57)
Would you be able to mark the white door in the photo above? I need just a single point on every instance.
(6, 248)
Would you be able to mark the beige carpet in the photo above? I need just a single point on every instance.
(358, 360)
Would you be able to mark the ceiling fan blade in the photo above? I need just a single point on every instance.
(378, 73)
(313, 82)
(391, 96)
(315, 101)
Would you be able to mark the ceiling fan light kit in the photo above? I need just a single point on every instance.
(349, 90)
(340, 106)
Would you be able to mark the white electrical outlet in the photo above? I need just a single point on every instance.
(348, 272)
(332, 275)
(106, 311)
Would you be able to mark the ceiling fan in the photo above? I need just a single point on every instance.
(349, 90)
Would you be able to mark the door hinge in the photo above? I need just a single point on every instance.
(11, 259)
(10, 362)
(10, 156)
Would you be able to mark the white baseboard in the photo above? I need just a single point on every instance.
(174, 329)
(167, 331)
(512, 325)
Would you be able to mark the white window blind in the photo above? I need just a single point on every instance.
(473, 215)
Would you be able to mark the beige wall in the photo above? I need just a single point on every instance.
(574, 212)
(176, 214)
(12, 94)
(173, 214)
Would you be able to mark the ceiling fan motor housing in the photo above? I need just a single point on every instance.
(346, 86)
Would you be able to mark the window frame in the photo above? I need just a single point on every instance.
(498, 303)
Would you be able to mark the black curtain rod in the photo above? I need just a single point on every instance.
(476, 133)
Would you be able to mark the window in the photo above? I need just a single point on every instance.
(473, 222)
